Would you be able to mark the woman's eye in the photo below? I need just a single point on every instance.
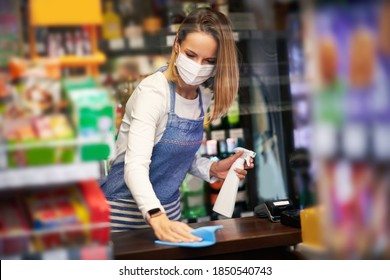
(212, 62)
(190, 55)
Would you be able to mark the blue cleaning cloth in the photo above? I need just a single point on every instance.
(207, 234)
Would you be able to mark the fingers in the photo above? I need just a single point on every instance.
(236, 156)
(250, 166)
(174, 231)
(241, 173)
(184, 232)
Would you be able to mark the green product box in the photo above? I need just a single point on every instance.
(93, 115)
(35, 153)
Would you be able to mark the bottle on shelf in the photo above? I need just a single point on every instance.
(193, 198)
(233, 115)
(212, 153)
(78, 43)
(234, 124)
(193, 193)
(223, 6)
(69, 42)
(203, 146)
(175, 15)
(86, 42)
(112, 27)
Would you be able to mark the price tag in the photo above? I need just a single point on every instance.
(325, 140)
(137, 42)
(236, 36)
(236, 133)
(218, 135)
(355, 140)
(170, 40)
(381, 134)
(116, 44)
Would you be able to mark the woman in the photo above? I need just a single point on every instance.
(162, 129)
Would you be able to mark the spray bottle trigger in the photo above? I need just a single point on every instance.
(247, 160)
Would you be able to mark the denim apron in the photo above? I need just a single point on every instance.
(171, 160)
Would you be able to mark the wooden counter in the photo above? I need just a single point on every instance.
(241, 238)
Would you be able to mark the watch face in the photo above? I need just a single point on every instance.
(154, 211)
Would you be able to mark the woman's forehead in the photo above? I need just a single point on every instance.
(201, 43)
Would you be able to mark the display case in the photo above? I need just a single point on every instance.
(54, 132)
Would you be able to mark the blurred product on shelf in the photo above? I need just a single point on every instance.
(152, 25)
(40, 96)
(212, 153)
(122, 83)
(20, 68)
(68, 41)
(43, 127)
(27, 140)
(67, 217)
(233, 115)
(124, 75)
(193, 198)
(175, 15)
(112, 26)
(58, 215)
(33, 117)
(223, 6)
(14, 228)
(351, 105)
(92, 113)
(6, 91)
(10, 31)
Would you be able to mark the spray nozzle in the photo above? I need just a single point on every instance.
(247, 155)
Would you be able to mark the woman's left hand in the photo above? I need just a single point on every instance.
(221, 168)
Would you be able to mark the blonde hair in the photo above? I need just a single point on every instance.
(225, 82)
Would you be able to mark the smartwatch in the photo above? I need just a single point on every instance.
(155, 212)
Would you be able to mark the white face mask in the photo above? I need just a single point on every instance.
(191, 72)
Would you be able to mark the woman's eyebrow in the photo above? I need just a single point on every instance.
(194, 53)
(191, 52)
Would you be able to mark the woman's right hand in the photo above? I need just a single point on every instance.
(172, 231)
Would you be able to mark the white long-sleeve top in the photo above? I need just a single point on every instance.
(142, 127)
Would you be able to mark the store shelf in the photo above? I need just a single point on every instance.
(99, 139)
(48, 175)
(147, 45)
(74, 60)
(162, 42)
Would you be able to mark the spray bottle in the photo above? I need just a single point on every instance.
(226, 199)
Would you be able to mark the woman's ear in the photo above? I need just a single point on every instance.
(176, 45)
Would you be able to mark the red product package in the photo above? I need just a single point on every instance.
(44, 218)
(72, 215)
(99, 211)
